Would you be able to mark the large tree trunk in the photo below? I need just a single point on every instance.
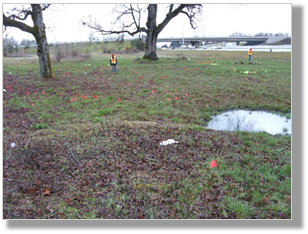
(42, 46)
(151, 39)
(150, 45)
(39, 33)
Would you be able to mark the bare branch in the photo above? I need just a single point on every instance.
(98, 28)
(192, 11)
(170, 8)
(7, 22)
(133, 27)
(22, 14)
(133, 15)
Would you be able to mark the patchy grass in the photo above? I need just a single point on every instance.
(87, 141)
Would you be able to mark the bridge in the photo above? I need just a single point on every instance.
(197, 40)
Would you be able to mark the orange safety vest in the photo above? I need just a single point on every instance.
(113, 60)
(250, 52)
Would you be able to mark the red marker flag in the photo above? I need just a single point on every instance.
(213, 163)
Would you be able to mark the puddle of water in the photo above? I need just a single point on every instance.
(251, 121)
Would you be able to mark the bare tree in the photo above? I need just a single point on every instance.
(28, 43)
(9, 44)
(132, 26)
(38, 31)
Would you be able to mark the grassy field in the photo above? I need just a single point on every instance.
(87, 141)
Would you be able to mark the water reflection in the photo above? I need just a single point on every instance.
(251, 121)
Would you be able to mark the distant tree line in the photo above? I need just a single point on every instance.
(11, 45)
(238, 34)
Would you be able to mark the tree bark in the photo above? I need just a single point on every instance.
(41, 41)
(39, 33)
(151, 39)
(154, 29)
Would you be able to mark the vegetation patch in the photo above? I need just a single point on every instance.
(87, 142)
(39, 126)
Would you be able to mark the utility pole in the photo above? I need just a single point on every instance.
(183, 34)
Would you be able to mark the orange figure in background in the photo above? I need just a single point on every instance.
(250, 53)
(113, 63)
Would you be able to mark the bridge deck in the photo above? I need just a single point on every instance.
(230, 39)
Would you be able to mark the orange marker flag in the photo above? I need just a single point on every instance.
(213, 163)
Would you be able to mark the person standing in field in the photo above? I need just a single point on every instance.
(250, 53)
(113, 63)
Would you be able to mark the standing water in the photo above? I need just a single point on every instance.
(251, 121)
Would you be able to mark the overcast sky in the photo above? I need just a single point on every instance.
(63, 21)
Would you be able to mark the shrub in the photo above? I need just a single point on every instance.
(139, 44)
(59, 55)
(105, 49)
(86, 56)
(74, 53)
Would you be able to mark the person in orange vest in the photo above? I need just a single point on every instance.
(250, 53)
(113, 63)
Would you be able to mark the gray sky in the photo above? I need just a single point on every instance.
(63, 20)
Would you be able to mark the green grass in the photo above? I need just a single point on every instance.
(114, 123)
(39, 126)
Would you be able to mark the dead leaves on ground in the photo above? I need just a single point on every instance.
(123, 172)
